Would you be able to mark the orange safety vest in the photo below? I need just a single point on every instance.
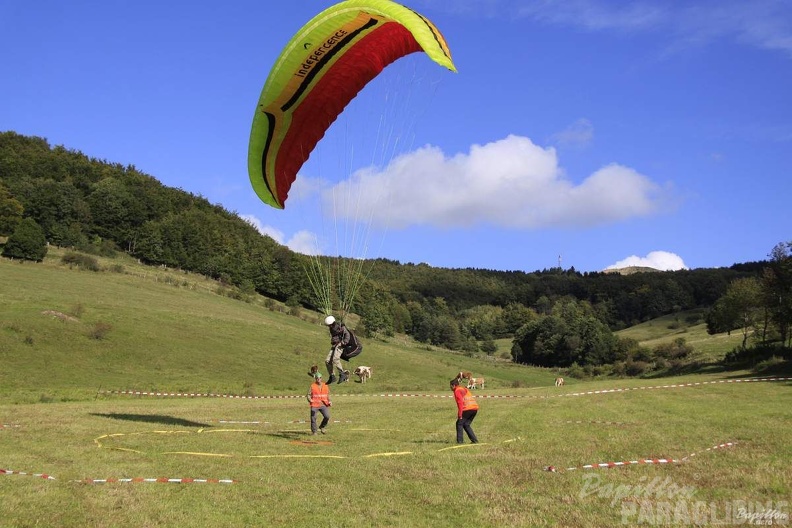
(319, 395)
(468, 400)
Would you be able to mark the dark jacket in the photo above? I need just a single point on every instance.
(341, 335)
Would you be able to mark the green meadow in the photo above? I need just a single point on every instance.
(73, 341)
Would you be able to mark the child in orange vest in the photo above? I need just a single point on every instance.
(319, 398)
(467, 408)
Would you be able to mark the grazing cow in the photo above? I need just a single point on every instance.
(559, 382)
(363, 373)
(476, 383)
(464, 375)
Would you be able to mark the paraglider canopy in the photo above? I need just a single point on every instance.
(319, 72)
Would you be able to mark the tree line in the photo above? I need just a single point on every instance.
(63, 197)
(759, 306)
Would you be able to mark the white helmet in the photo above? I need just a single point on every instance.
(329, 320)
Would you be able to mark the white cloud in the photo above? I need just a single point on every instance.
(580, 133)
(304, 242)
(661, 260)
(510, 183)
(764, 24)
(306, 187)
(270, 231)
(596, 14)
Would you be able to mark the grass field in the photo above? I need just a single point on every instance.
(389, 458)
(694, 331)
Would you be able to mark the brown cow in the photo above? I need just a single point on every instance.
(476, 383)
(464, 375)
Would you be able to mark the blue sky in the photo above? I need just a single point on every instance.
(598, 132)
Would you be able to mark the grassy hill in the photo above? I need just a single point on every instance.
(66, 332)
(688, 325)
(68, 335)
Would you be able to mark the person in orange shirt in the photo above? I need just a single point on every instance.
(467, 408)
(319, 398)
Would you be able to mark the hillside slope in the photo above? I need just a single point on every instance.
(66, 333)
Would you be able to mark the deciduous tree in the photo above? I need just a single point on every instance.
(10, 212)
(27, 242)
(777, 282)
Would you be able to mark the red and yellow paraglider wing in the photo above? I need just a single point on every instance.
(321, 69)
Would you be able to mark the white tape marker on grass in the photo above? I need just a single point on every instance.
(482, 396)
(640, 461)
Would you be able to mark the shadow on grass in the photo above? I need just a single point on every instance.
(781, 370)
(730, 371)
(688, 368)
(289, 435)
(151, 418)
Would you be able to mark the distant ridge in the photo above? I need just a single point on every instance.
(629, 270)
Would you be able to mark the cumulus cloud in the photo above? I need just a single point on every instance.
(661, 260)
(509, 183)
(270, 231)
(304, 242)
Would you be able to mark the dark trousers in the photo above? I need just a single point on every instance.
(325, 417)
(464, 424)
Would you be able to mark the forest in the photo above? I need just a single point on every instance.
(556, 317)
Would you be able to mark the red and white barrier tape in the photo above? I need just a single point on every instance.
(162, 480)
(200, 395)
(719, 446)
(308, 421)
(597, 422)
(12, 472)
(7, 426)
(639, 461)
(617, 464)
(483, 396)
(111, 480)
(271, 423)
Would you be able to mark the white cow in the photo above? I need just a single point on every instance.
(364, 373)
